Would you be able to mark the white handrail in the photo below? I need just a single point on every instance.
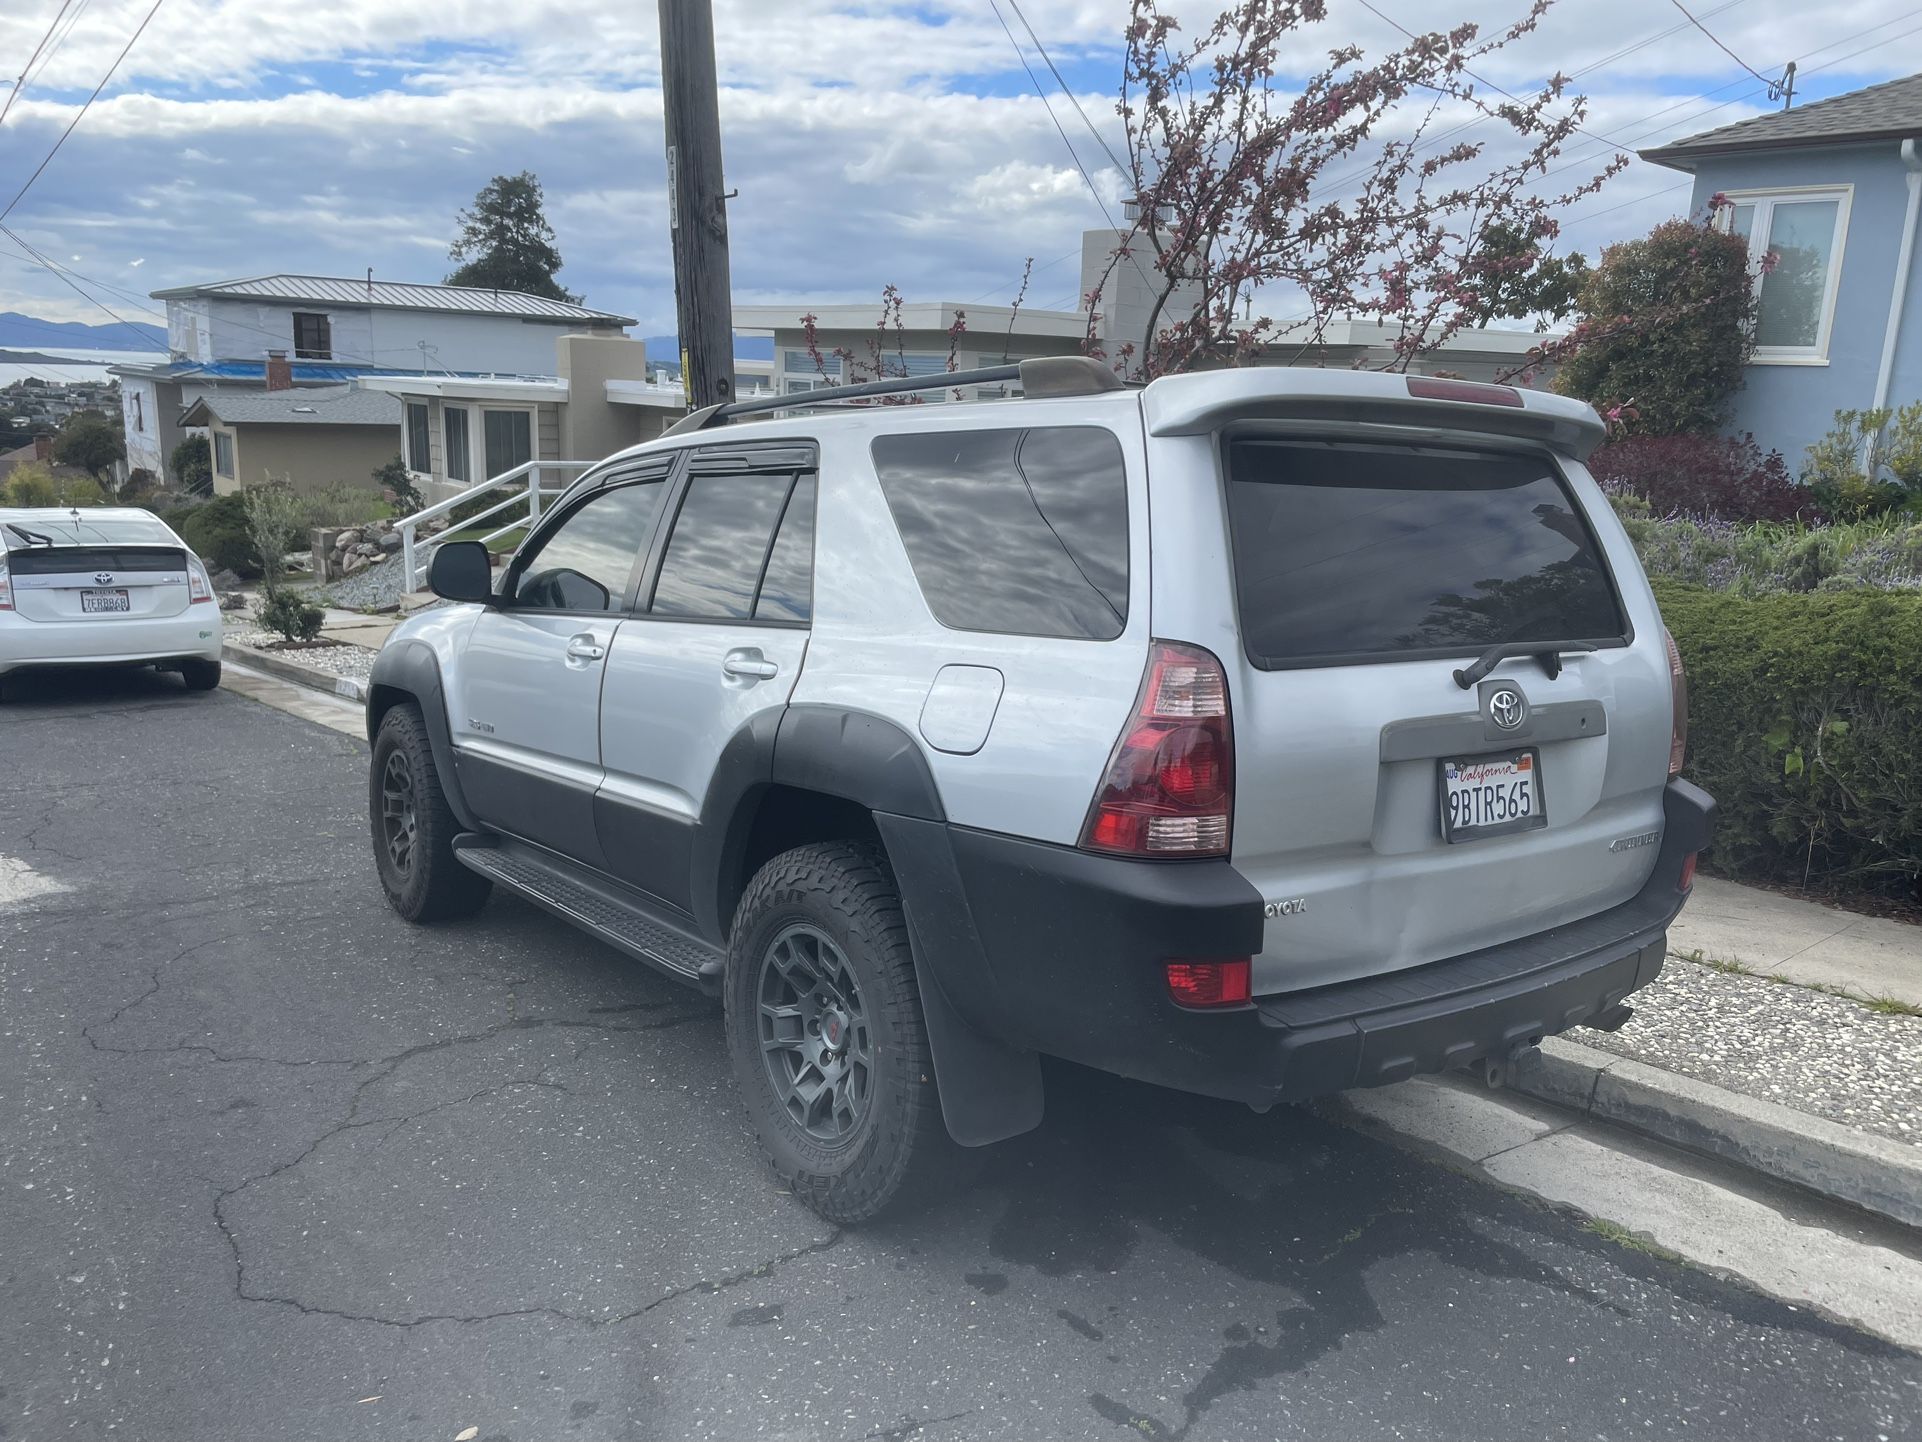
(529, 474)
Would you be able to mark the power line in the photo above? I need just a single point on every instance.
(1773, 85)
(55, 270)
(1047, 60)
(21, 83)
(138, 31)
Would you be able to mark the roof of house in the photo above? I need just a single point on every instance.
(395, 295)
(1890, 111)
(328, 406)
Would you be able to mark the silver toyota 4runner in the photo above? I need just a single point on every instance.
(1259, 733)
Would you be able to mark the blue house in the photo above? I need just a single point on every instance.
(1834, 190)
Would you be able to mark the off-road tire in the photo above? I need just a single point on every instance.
(899, 1148)
(200, 674)
(432, 885)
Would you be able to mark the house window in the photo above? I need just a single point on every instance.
(1798, 235)
(509, 438)
(224, 454)
(454, 424)
(419, 449)
(313, 336)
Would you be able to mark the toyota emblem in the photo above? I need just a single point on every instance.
(103, 578)
(1507, 708)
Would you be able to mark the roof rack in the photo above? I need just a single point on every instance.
(1042, 376)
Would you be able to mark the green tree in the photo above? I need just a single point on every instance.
(192, 466)
(505, 241)
(1520, 279)
(88, 440)
(1666, 327)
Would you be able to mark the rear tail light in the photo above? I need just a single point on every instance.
(198, 587)
(6, 587)
(1678, 693)
(1687, 878)
(1209, 983)
(1442, 388)
(1170, 784)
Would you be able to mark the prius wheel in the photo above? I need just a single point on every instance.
(825, 1029)
(414, 827)
(200, 674)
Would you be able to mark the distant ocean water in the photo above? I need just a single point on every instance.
(74, 365)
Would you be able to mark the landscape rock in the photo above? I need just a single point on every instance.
(356, 562)
(346, 539)
(390, 542)
(225, 580)
(230, 600)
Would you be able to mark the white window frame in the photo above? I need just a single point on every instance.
(1765, 202)
(478, 439)
(447, 410)
(421, 467)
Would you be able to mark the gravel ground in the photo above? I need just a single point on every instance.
(1821, 1054)
(377, 586)
(343, 660)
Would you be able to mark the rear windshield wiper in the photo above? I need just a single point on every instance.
(32, 538)
(1548, 654)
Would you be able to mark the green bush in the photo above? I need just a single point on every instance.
(1845, 487)
(346, 504)
(1805, 724)
(292, 616)
(217, 530)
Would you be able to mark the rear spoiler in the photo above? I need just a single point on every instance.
(1203, 401)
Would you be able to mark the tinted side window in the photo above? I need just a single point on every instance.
(585, 563)
(1023, 532)
(1342, 551)
(720, 545)
(787, 589)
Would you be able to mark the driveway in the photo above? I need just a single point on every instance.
(278, 1165)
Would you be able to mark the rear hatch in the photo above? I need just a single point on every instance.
(98, 582)
(1389, 814)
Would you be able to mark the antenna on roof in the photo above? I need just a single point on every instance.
(1784, 89)
(370, 282)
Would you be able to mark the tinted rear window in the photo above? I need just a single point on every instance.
(1351, 551)
(1023, 532)
(59, 560)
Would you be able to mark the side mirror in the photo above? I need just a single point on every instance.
(461, 571)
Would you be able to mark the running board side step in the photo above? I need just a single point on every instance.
(604, 909)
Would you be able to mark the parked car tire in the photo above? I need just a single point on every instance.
(847, 1115)
(200, 675)
(414, 827)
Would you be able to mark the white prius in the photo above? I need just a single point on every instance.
(108, 586)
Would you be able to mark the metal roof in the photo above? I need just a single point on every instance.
(1890, 111)
(319, 406)
(395, 295)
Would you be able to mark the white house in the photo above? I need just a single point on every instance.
(331, 330)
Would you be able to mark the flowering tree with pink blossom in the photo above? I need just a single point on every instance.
(1357, 192)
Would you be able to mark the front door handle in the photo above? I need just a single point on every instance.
(749, 662)
(585, 648)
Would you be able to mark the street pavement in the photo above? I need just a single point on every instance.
(276, 1164)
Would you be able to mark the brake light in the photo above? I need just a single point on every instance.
(1441, 388)
(1687, 878)
(1678, 694)
(198, 587)
(1209, 983)
(6, 586)
(1170, 784)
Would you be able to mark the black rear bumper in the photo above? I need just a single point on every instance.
(1051, 950)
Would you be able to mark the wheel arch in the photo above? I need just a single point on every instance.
(410, 671)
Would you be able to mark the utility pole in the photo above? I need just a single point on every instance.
(696, 205)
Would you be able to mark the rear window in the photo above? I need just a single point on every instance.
(1023, 532)
(61, 560)
(1358, 553)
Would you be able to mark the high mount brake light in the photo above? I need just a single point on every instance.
(1169, 787)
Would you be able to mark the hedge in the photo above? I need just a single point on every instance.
(217, 530)
(1805, 724)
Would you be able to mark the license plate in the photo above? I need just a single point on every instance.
(104, 601)
(1491, 795)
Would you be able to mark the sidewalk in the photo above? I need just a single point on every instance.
(1804, 941)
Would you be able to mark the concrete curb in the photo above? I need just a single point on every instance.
(1873, 1172)
(293, 671)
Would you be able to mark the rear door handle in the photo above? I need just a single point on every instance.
(585, 648)
(748, 661)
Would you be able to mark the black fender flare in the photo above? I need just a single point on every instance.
(407, 670)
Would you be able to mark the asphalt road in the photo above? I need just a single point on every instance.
(276, 1164)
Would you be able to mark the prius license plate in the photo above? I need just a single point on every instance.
(91, 601)
(1491, 795)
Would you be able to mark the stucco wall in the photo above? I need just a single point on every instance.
(1789, 407)
(247, 330)
(310, 457)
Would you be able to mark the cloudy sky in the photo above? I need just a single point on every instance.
(870, 142)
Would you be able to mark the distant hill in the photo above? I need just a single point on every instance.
(27, 332)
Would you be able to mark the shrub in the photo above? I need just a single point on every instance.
(192, 465)
(1766, 557)
(346, 504)
(394, 476)
(1805, 724)
(1665, 326)
(30, 484)
(1891, 442)
(1726, 477)
(217, 530)
(275, 516)
(292, 616)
